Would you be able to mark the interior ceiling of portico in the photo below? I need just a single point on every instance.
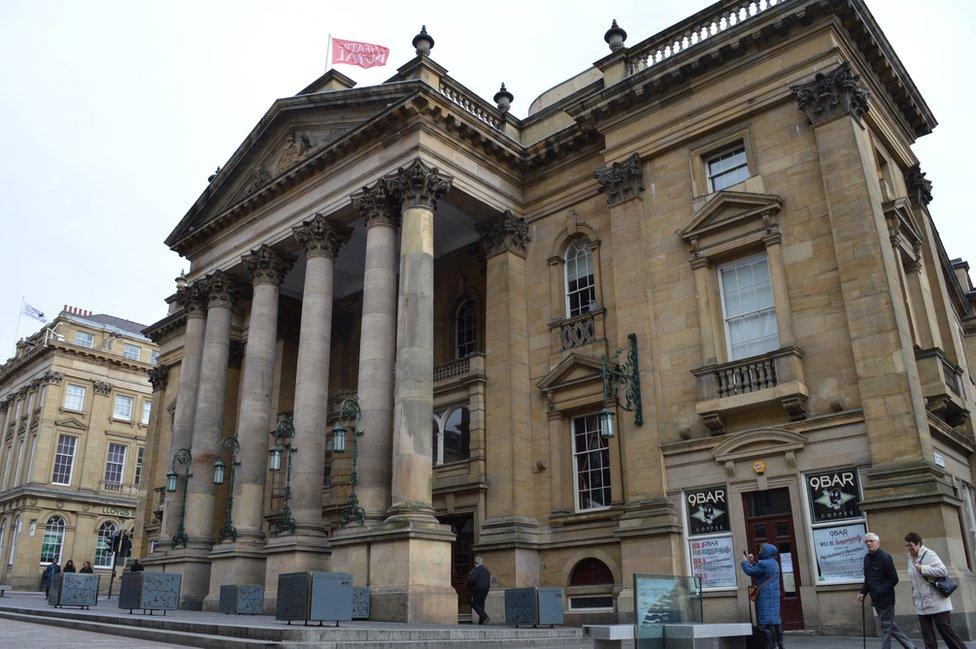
(453, 228)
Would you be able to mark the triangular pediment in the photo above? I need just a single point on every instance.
(758, 443)
(572, 370)
(728, 209)
(901, 220)
(70, 423)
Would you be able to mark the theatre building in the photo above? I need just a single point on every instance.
(388, 353)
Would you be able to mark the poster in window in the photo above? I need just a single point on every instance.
(713, 560)
(834, 495)
(840, 552)
(708, 511)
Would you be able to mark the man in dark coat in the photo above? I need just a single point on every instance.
(136, 566)
(48, 576)
(479, 583)
(880, 578)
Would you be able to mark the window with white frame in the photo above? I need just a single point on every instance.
(465, 329)
(137, 478)
(580, 279)
(103, 545)
(84, 339)
(132, 352)
(146, 411)
(64, 460)
(6, 464)
(155, 358)
(747, 307)
(14, 535)
(3, 534)
(123, 407)
(74, 397)
(451, 435)
(115, 463)
(727, 167)
(20, 462)
(591, 464)
(53, 540)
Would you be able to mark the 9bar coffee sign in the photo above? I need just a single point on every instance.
(708, 511)
(834, 495)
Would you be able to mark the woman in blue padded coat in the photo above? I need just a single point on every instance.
(766, 572)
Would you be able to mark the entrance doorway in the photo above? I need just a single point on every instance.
(769, 519)
(462, 558)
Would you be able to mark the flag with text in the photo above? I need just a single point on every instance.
(34, 312)
(365, 55)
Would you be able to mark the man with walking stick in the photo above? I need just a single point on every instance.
(880, 578)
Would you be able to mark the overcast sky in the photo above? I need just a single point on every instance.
(113, 114)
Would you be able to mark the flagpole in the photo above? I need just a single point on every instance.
(20, 313)
(328, 53)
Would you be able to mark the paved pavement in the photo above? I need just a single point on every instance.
(24, 635)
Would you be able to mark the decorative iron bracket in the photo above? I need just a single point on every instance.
(626, 374)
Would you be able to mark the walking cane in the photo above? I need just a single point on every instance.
(864, 635)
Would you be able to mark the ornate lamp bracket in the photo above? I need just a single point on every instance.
(626, 374)
(349, 411)
(182, 457)
(286, 522)
(228, 531)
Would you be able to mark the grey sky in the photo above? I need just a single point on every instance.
(113, 114)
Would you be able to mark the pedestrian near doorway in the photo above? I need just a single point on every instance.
(766, 571)
(86, 568)
(69, 567)
(933, 608)
(136, 566)
(48, 576)
(479, 583)
(880, 579)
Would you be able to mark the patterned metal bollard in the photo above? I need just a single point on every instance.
(241, 600)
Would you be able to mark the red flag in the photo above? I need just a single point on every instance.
(365, 55)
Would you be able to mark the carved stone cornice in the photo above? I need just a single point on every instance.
(265, 266)
(102, 388)
(321, 236)
(220, 290)
(158, 377)
(192, 299)
(832, 94)
(919, 187)
(621, 180)
(377, 204)
(505, 232)
(49, 376)
(419, 185)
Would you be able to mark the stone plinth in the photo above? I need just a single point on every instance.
(292, 553)
(233, 563)
(193, 565)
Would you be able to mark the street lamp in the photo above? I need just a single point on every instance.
(183, 458)
(284, 431)
(628, 375)
(349, 411)
(230, 444)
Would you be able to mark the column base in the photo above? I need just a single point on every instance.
(407, 565)
(193, 563)
(302, 552)
(234, 564)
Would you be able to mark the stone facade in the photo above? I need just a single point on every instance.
(736, 211)
(75, 404)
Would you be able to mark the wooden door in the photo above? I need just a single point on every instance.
(769, 519)
(462, 558)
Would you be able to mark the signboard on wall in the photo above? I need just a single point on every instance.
(708, 511)
(713, 560)
(834, 495)
(840, 552)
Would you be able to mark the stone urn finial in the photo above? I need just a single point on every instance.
(422, 42)
(615, 36)
(503, 99)
(181, 280)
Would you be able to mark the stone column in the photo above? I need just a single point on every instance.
(193, 302)
(306, 549)
(158, 379)
(240, 559)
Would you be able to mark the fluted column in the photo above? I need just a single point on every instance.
(377, 347)
(419, 187)
(193, 302)
(221, 294)
(267, 269)
(321, 238)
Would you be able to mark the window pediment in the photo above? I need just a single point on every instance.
(731, 220)
(903, 227)
(70, 423)
(574, 382)
(756, 443)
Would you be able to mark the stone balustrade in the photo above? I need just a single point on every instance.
(469, 102)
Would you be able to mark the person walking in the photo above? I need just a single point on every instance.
(69, 567)
(136, 566)
(766, 572)
(479, 583)
(880, 578)
(933, 608)
(48, 577)
(86, 568)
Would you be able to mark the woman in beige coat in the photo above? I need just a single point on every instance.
(933, 608)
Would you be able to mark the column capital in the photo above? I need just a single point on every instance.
(505, 232)
(919, 187)
(376, 203)
(158, 376)
(320, 236)
(220, 290)
(102, 388)
(265, 266)
(621, 180)
(832, 94)
(192, 299)
(420, 185)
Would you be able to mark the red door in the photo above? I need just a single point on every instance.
(769, 519)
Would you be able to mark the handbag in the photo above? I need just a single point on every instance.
(944, 585)
(754, 590)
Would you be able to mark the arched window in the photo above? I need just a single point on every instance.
(590, 587)
(466, 328)
(451, 435)
(53, 540)
(14, 533)
(103, 545)
(580, 283)
(590, 572)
